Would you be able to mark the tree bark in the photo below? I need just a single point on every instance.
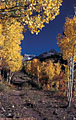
(72, 73)
(68, 81)
(69, 100)
(70, 85)
(10, 77)
(7, 77)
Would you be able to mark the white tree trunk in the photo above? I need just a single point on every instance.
(10, 77)
(71, 78)
(72, 74)
(69, 100)
(68, 81)
(7, 76)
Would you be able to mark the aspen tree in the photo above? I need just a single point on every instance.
(11, 57)
(67, 44)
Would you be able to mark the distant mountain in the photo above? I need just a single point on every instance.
(47, 55)
(27, 57)
(52, 54)
(53, 51)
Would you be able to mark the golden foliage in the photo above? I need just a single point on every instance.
(28, 67)
(67, 41)
(10, 52)
(45, 72)
(31, 13)
(50, 69)
(57, 68)
(35, 67)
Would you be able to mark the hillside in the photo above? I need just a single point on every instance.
(52, 54)
(29, 103)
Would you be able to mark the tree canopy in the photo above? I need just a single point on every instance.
(31, 13)
(67, 41)
(10, 38)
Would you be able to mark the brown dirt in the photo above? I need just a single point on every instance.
(32, 104)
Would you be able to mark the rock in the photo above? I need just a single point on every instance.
(1, 116)
(74, 118)
(29, 105)
(0, 105)
(64, 117)
(69, 110)
(17, 93)
(55, 112)
(45, 119)
(64, 106)
(18, 81)
(9, 114)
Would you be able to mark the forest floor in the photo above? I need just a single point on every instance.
(30, 103)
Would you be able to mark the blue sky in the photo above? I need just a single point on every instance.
(46, 39)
